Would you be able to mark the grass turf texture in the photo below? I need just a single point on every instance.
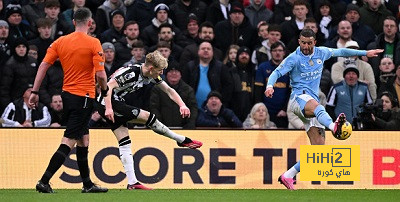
(203, 195)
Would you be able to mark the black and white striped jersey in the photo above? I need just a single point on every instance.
(129, 80)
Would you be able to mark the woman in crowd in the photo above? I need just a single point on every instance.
(258, 118)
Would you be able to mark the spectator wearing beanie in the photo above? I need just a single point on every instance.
(362, 33)
(110, 65)
(17, 29)
(103, 14)
(150, 33)
(4, 44)
(237, 30)
(244, 72)
(33, 11)
(214, 114)
(18, 71)
(141, 11)
(347, 95)
(181, 10)
(191, 31)
(115, 32)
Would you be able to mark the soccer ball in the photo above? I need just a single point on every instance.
(347, 128)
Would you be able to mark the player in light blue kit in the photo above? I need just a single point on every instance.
(305, 66)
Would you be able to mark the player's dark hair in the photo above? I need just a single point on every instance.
(82, 15)
(308, 33)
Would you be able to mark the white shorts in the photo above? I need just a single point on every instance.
(297, 104)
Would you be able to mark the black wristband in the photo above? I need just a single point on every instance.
(35, 92)
(104, 92)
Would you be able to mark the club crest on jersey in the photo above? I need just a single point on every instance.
(319, 61)
(135, 112)
(129, 76)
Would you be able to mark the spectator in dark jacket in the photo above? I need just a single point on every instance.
(389, 41)
(103, 13)
(214, 114)
(33, 11)
(392, 85)
(237, 30)
(4, 44)
(206, 33)
(373, 13)
(389, 119)
(17, 27)
(361, 32)
(283, 11)
(59, 26)
(52, 83)
(150, 33)
(115, 32)
(56, 111)
(19, 71)
(181, 9)
(206, 74)
(43, 41)
(292, 28)
(141, 11)
(243, 99)
(256, 12)
(166, 110)
(123, 46)
(165, 33)
(218, 11)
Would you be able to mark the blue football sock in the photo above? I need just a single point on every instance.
(322, 116)
(292, 171)
(297, 166)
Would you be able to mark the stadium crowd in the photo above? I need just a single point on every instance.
(220, 55)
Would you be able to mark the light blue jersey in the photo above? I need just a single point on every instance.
(305, 70)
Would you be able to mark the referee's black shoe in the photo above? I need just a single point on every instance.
(94, 189)
(43, 188)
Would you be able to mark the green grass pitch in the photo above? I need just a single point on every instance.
(204, 195)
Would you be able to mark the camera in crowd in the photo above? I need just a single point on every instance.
(364, 118)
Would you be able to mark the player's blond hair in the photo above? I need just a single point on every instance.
(156, 60)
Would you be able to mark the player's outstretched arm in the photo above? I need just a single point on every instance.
(173, 95)
(374, 52)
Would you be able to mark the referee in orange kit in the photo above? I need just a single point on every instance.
(82, 60)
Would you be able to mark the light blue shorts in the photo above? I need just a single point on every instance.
(297, 104)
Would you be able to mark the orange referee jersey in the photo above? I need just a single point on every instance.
(81, 56)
